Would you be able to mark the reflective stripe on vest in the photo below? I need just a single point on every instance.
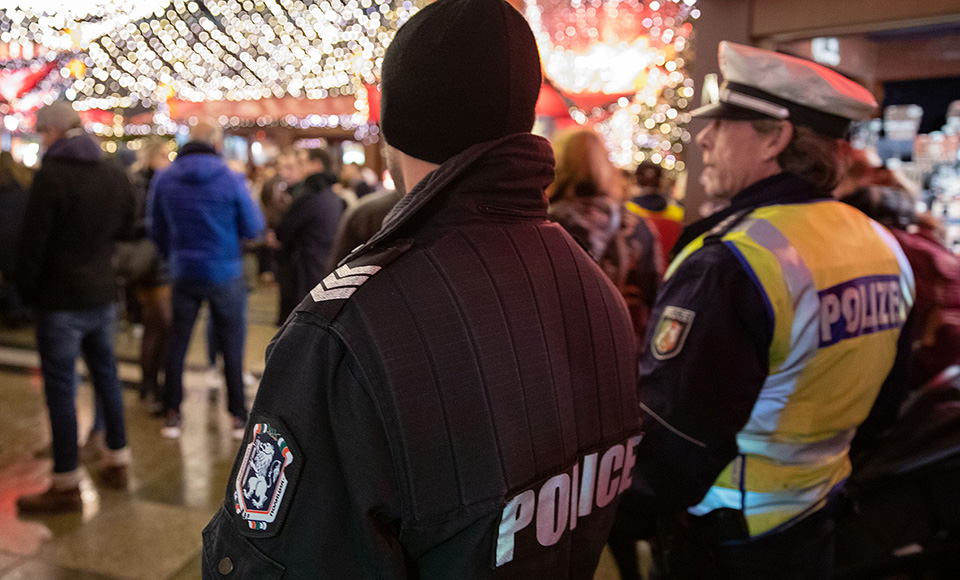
(837, 288)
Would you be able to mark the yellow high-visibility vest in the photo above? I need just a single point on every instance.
(672, 212)
(838, 288)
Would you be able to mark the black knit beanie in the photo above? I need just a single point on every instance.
(458, 73)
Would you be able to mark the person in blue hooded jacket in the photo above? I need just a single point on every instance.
(198, 214)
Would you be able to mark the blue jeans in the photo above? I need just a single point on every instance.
(62, 336)
(213, 347)
(228, 307)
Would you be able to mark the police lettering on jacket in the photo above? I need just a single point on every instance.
(859, 307)
(553, 508)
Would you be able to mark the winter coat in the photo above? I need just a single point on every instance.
(154, 271)
(306, 233)
(198, 213)
(936, 316)
(13, 208)
(746, 360)
(622, 244)
(79, 205)
(458, 400)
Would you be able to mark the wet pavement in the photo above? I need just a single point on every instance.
(151, 531)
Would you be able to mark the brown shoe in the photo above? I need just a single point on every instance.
(114, 476)
(51, 501)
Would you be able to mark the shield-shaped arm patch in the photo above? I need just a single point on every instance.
(671, 332)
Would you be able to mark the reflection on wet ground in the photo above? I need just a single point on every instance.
(151, 531)
(18, 537)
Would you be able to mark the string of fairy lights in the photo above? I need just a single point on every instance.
(236, 50)
(61, 25)
(121, 56)
(209, 50)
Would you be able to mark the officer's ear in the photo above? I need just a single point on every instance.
(776, 137)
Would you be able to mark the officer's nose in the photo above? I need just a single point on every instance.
(705, 137)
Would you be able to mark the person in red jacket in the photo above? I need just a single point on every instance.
(935, 326)
(655, 205)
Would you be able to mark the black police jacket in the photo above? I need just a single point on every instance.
(696, 401)
(457, 400)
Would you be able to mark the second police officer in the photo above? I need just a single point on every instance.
(775, 328)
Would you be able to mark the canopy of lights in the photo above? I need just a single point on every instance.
(617, 65)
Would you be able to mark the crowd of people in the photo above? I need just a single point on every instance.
(519, 352)
(180, 245)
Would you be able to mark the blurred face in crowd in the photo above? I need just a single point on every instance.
(160, 160)
(350, 173)
(583, 158)
(49, 136)
(647, 177)
(735, 155)
(290, 169)
(312, 166)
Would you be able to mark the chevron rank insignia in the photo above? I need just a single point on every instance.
(342, 283)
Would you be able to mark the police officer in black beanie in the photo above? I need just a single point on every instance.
(458, 398)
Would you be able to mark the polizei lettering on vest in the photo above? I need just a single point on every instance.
(860, 306)
(595, 480)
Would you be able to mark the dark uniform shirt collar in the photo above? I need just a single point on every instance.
(780, 189)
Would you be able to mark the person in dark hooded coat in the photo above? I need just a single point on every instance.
(306, 232)
(79, 204)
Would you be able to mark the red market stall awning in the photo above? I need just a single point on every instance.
(18, 82)
(553, 103)
(550, 104)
